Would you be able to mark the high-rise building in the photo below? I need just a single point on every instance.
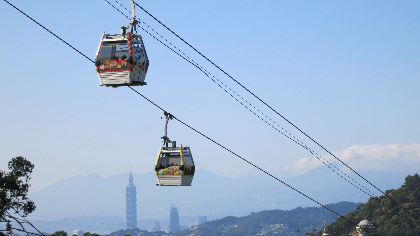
(131, 204)
(201, 219)
(174, 219)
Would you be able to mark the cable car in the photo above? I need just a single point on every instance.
(174, 165)
(121, 59)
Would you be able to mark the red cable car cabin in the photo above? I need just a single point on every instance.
(121, 60)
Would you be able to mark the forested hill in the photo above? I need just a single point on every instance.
(387, 217)
(277, 222)
(270, 222)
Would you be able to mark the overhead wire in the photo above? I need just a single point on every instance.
(217, 142)
(23, 228)
(285, 133)
(208, 75)
(271, 108)
(48, 30)
(186, 124)
(63, 40)
(220, 145)
(28, 221)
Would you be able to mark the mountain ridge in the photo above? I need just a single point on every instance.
(209, 194)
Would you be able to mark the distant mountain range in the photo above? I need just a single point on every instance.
(211, 195)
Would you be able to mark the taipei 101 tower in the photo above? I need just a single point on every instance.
(131, 203)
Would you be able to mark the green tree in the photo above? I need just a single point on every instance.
(14, 187)
(386, 214)
(59, 233)
(89, 234)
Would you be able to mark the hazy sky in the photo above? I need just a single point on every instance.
(345, 72)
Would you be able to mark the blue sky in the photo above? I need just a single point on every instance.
(346, 73)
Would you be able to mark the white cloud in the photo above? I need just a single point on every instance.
(301, 166)
(392, 157)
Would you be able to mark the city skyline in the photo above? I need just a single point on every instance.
(346, 74)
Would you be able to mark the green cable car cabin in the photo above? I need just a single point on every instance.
(174, 166)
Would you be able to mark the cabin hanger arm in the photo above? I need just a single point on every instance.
(133, 22)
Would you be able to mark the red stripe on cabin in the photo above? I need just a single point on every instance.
(114, 70)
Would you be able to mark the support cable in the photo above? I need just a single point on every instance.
(197, 130)
(10, 216)
(284, 118)
(208, 137)
(49, 31)
(26, 231)
(28, 222)
(212, 77)
(220, 145)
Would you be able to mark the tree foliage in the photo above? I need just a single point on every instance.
(89, 234)
(273, 222)
(59, 233)
(14, 187)
(386, 215)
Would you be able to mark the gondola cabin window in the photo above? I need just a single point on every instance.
(113, 55)
(140, 55)
(189, 165)
(169, 164)
(138, 49)
(167, 160)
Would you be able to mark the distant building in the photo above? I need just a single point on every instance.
(327, 231)
(78, 232)
(174, 219)
(131, 204)
(200, 220)
(167, 229)
(365, 228)
(155, 227)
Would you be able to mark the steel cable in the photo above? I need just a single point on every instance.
(205, 135)
(284, 118)
(212, 77)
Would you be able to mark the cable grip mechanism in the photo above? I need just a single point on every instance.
(165, 137)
